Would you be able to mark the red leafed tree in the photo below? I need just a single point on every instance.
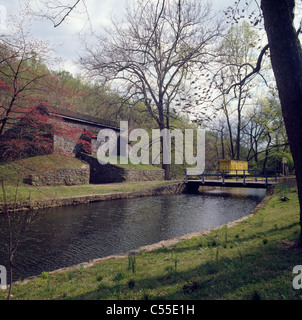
(84, 143)
(29, 91)
(25, 83)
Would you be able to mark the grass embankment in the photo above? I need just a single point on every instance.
(251, 260)
(13, 174)
(25, 193)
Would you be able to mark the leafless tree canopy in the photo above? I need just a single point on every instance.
(155, 50)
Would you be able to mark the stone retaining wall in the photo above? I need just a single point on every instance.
(110, 173)
(65, 177)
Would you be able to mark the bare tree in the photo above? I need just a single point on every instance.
(154, 52)
(25, 83)
(237, 58)
(263, 130)
(54, 10)
(14, 230)
(18, 77)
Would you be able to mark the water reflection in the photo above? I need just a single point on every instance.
(71, 235)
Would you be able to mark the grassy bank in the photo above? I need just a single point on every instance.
(13, 173)
(25, 193)
(251, 260)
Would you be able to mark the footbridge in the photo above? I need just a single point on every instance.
(236, 179)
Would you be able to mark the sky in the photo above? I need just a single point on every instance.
(65, 38)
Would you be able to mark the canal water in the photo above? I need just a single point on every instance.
(74, 234)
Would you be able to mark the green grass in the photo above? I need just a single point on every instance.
(13, 174)
(25, 193)
(251, 260)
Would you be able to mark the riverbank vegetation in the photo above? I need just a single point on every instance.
(251, 260)
(13, 174)
(25, 193)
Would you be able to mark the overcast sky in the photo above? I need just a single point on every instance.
(65, 37)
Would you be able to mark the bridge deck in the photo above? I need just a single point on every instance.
(230, 183)
(241, 179)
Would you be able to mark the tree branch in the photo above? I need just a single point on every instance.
(255, 70)
(67, 14)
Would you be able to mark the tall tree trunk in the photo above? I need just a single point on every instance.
(162, 126)
(222, 144)
(286, 58)
(229, 129)
(266, 152)
(238, 138)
